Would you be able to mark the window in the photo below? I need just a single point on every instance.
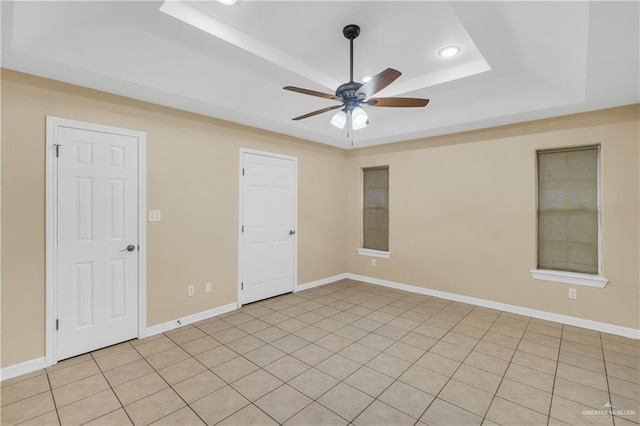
(375, 208)
(568, 213)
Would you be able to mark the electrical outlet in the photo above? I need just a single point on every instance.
(373, 262)
(191, 290)
(207, 287)
(573, 293)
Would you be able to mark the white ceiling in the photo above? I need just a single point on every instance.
(519, 61)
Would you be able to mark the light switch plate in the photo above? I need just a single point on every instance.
(155, 216)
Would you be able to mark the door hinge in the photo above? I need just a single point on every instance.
(243, 228)
(57, 324)
(243, 172)
(57, 149)
(241, 286)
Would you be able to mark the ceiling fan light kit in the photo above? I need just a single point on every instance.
(359, 118)
(352, 94)
(339, 119)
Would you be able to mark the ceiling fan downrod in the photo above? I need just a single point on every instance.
(347, 91)
(351, 32)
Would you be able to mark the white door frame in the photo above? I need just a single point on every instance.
(53, 124)
(240, 212)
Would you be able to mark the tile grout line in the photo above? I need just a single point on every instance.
(3, 407)
(169, 384)
(55, 406)
(414, 362)
(454, 344)
(259, 367)
(558, 362)
(588, 370)
(230, 383)
(223, 380)
(336, 353)
(555, 374)
(363, 365)
(262, 368)
(361, 295)
(395, 379)
(100, 372)
(75, 365)
(315, 400)
(127, 381)
(495, 394)
(458, 367)
(606, 376)
(112, 390)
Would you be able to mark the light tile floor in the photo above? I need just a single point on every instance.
(344, 353)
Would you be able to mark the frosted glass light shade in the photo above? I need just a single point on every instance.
(339, 119)
(359, 118)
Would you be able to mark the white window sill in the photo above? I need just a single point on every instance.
(587, 280)
(374, 253)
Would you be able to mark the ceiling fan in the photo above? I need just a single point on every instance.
(352, 95)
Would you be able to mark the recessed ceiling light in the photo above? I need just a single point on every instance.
(448, 51)
(366, 79)
(228, 2)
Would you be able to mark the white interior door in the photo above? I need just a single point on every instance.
(268, 219)
(97, 227)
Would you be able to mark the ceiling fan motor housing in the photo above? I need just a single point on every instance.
(347, 91)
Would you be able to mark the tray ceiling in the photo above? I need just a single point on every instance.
(519, 61)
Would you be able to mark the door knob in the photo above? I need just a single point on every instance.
(130, 247)
(292, 232)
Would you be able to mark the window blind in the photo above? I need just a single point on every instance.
(376, 208)
(568, 210)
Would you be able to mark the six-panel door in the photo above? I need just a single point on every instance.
(97, 220)
(268, 216)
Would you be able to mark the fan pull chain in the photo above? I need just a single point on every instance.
(350, 137)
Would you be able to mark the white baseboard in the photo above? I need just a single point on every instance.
(318, 283)
(534, 313)
(23, 368)
(39, 363)
(190, 319)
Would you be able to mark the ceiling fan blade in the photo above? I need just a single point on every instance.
(312, 93)
(320, 111)
(379, 82)
(397, 102)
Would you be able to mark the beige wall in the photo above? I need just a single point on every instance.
(462, 208)
(463, 214)
(192, 164)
